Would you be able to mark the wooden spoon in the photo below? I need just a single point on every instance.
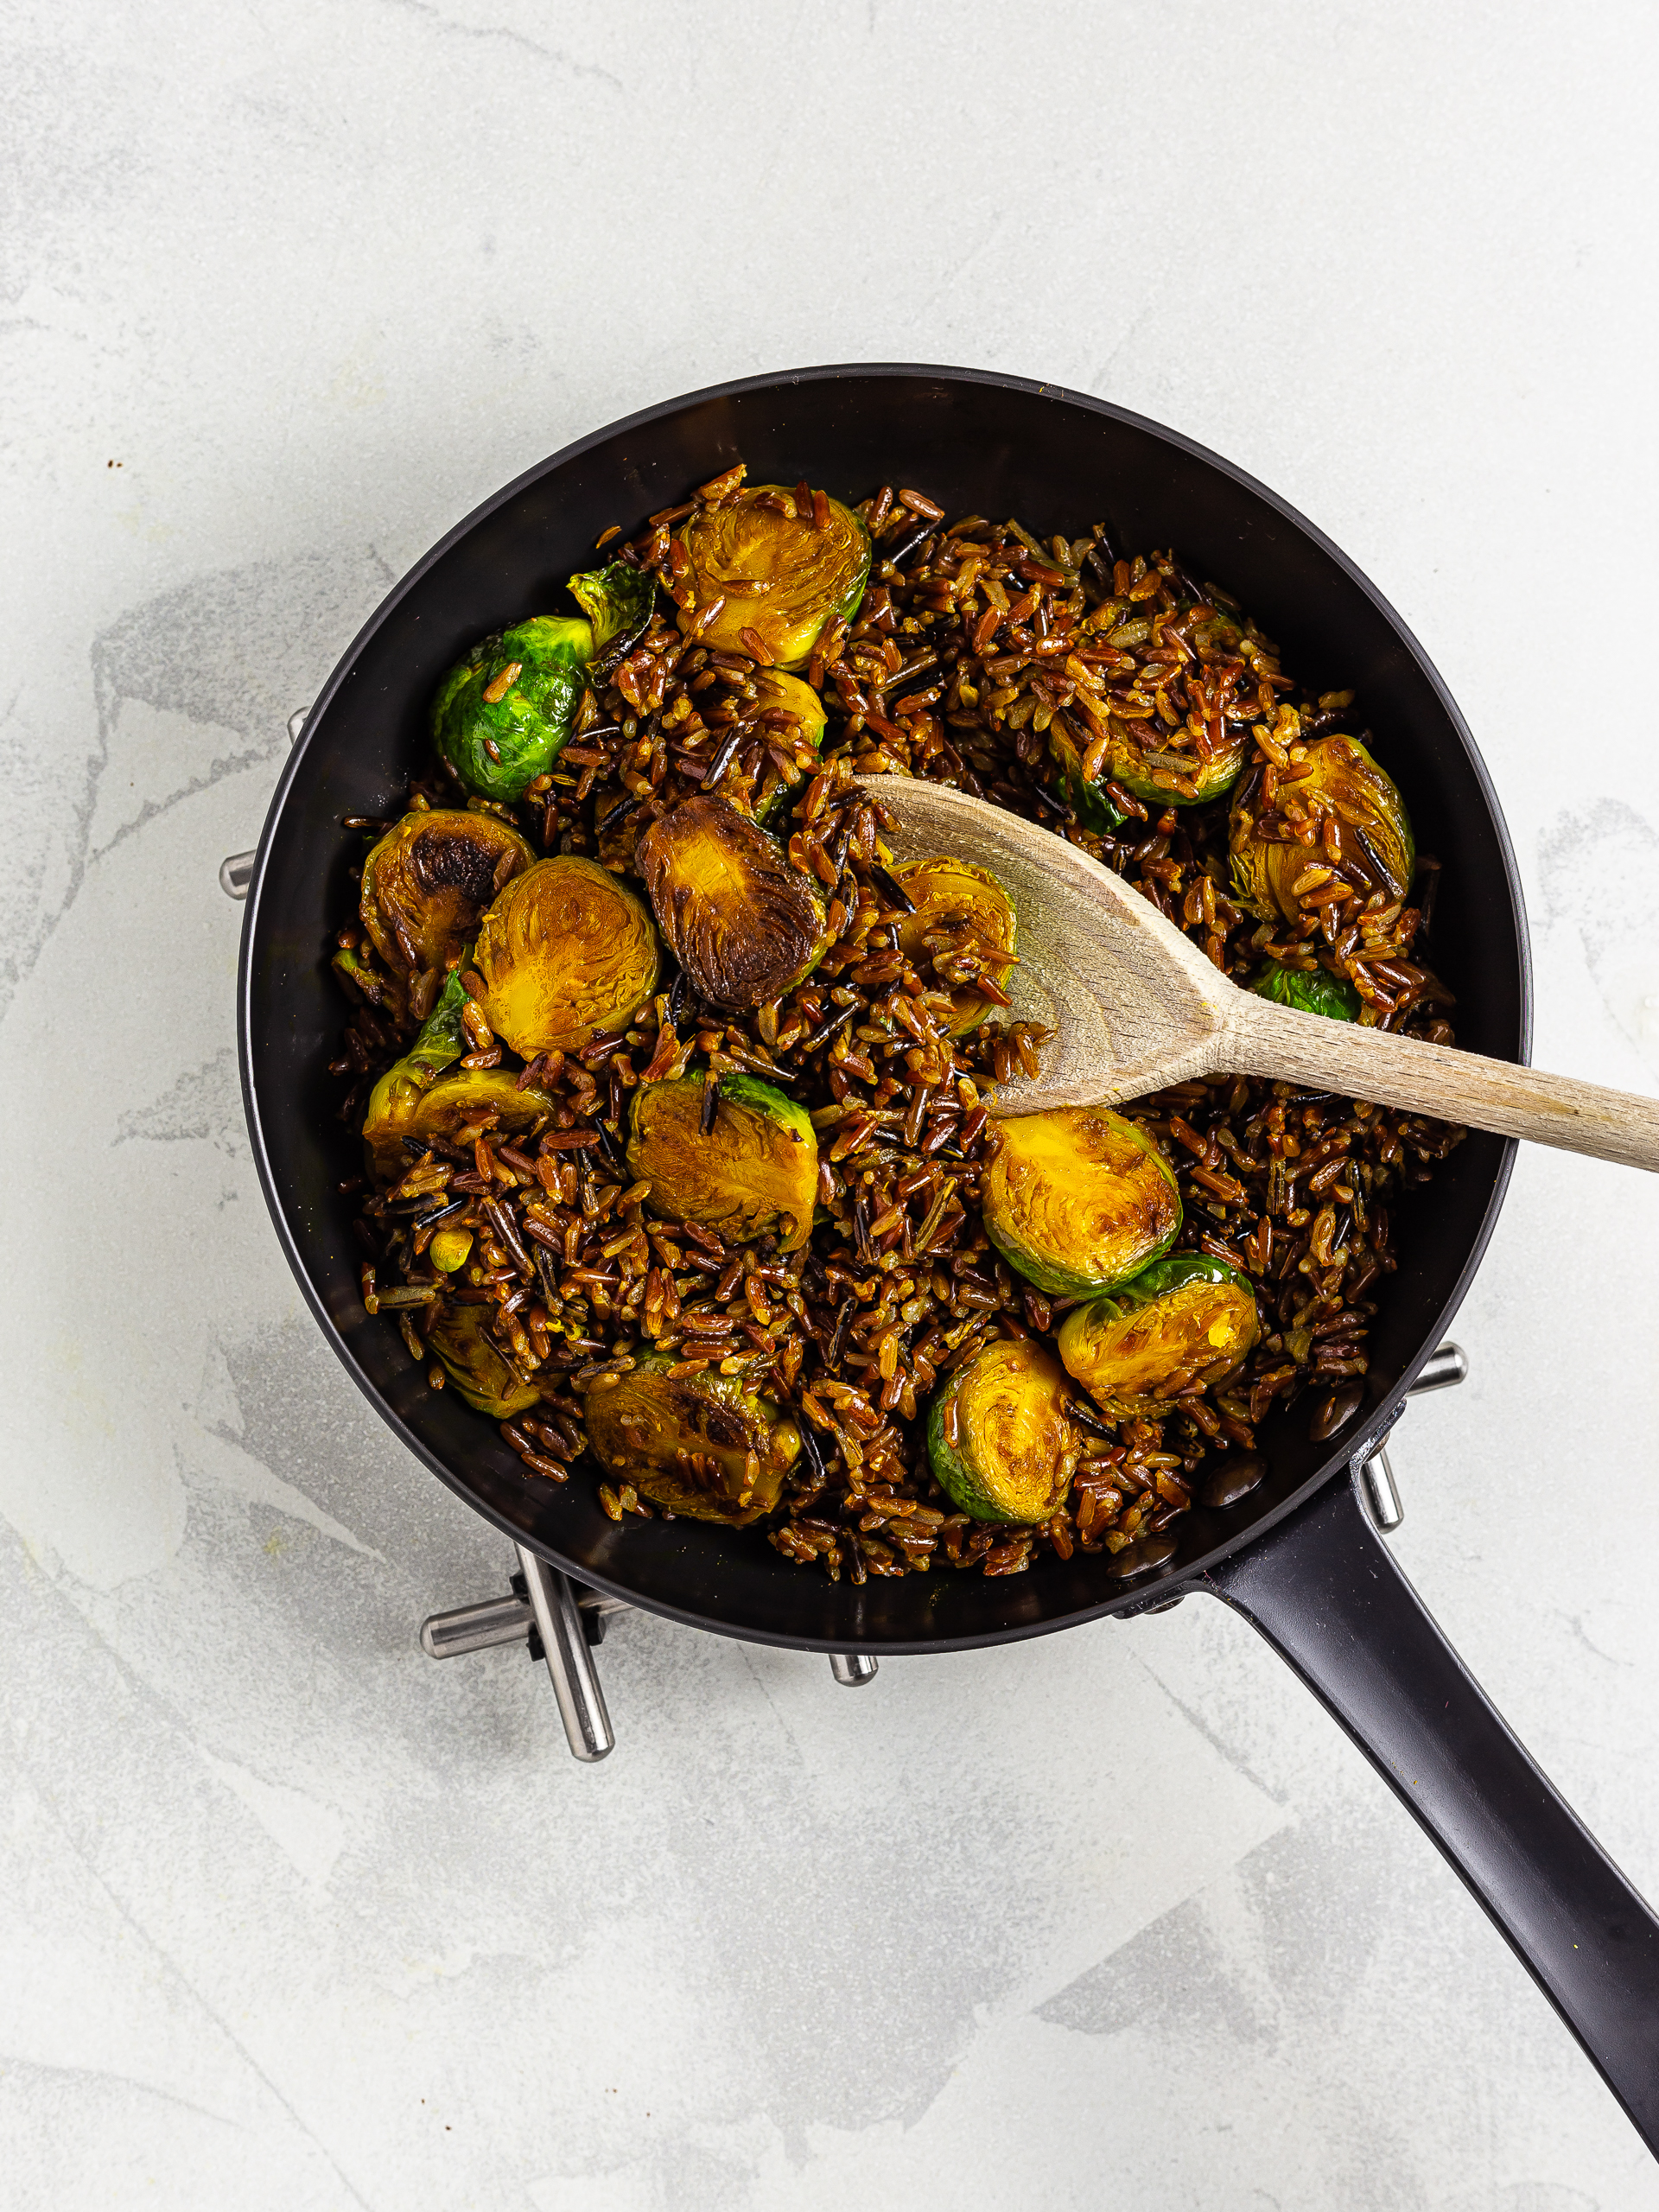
(1133, 1004)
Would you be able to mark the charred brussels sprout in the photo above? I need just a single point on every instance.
(501, 718)
(428, 880)
(963, 927)
(1078, 1199)
(478, 1367)
(1181, 1325)
(1337, 796)
(742, 922)
(1165, 777)
(566, 954)
(701, 1444)
(1314, 991)
(755, 1169)
(998, 1436)
(781, 576)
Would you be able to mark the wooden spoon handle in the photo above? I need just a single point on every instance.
(1267, 1040)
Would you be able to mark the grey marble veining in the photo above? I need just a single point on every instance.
(290, 1916)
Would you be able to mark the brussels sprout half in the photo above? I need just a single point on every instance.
(1000, 1438)
(430, 877)
(1165, 777)
(755, 1170)
(1355, 801)
(1181, 1323)
(402, 1106)
(780, 576)
(1314, 991)
(701, 1444)
(479, 1368)
(389, 1116)
(788, 695)
(566, 954)
(744, 924)
(617, 600)
(970, 916)
(1078, 1199)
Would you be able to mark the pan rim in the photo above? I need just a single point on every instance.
(1143, 1592)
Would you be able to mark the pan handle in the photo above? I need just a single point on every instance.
(1326, 1593)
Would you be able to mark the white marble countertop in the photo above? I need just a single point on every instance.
(291, 1917)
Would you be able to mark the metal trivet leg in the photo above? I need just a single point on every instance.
(560, 1621)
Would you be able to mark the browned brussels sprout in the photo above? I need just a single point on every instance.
(962, 928)
(1078, 1199)
(742, 922)
(566, 954)
(479, 1368)
(754, 1169)
(782, 575)
(701, 1444)
(1181, 1325)
(1337, 797)
(1000, 1438)
(428, 879)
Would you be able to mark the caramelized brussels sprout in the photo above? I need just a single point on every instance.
(755, 1170)
(430, 878)
(1078, 1199)
(1341, 787)
(479, 1368)
(963, 926)
(501, 717)
(780, 576)
(744, 924)
(1001, 1440)
(566, 954)
(1180, 1323)
(1165, 777)
(1314, 991)
(788, 695)
(701, 1444)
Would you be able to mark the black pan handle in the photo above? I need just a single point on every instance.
(1325, 1590)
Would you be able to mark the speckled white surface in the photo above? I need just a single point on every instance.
(291, 1917)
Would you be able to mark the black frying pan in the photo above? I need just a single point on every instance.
(1298, 1557)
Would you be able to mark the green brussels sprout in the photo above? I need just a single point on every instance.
(744, 924)
(389, 1115)
(1181, 1325)
(567, 953)
(1078, 1199)
(1000, 1438)
(501, 717)
(963, 926)
(617, 600)
(780, 576)
(701, 1444)
(1164, 777)
(754, 1169)
(479, 1368)
(430, 878)
(783, 694)
(1314, 991)
(1340, 788)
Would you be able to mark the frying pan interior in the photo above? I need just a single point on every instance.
(977, 443)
